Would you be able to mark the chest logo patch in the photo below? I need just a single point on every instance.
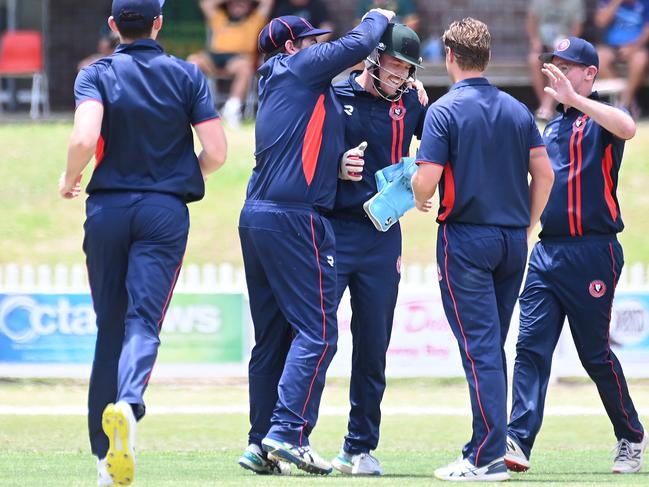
(597, 288)
(348, 109)
(579, 124)
(397, 112)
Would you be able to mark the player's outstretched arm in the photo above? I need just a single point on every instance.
(82, 146)
(320, 63)
(215, 146)
(540, 185)
(616, 121)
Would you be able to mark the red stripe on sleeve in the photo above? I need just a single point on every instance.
(313, 140)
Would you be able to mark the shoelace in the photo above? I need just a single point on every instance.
(623, 451)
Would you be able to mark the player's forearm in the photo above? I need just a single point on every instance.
(540, 188)
(210, 163)
(423, 188)
(616, 121)
(532, 25)
(79, 154)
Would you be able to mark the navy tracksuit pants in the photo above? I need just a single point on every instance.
(481, 269)
(289, 259)
(134, 245)
(368, 262)
(573, 277)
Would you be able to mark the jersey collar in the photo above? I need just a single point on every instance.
(593, 96)
(139, 44)
(471, 82)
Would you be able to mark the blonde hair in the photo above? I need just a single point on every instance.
(470, 40)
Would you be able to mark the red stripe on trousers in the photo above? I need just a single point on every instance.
(324, 328)
(164, 310)
(466, 347)
(617, 379)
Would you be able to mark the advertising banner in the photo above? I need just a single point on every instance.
(60, 329)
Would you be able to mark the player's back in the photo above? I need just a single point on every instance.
(150, 101)
(490, 135)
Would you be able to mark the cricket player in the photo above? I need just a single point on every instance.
(135, 110)
(288, 246)
(382, 114)
(575, 267)
(481, 143)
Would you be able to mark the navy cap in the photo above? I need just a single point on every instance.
(573, 49)
(279, 30)
(136, 11)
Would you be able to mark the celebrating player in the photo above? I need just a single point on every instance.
(383, 114)
(575, 267)
(136, 108)
(288, 246)
(483, 142)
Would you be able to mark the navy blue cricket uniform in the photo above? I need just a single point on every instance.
(573, 272)
(288, 246)
(368, 261)
(137, 220)
(483, 138)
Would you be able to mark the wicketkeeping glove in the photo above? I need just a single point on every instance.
(352, 162)
(395, 195)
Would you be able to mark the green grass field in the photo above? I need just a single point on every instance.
(40, 228)
(202, 450)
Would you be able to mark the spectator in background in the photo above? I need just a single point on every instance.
(405, 10)
(315, 11)
(234, 26)
(107, 43)
(549, 21)
(626, 31)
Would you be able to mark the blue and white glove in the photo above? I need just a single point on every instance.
(395, 195)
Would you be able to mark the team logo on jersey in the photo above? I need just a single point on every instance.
(579, 124)
(348, 109)
(399, 265)
(597, 288)
(330, 260)
(397, 113)
(563, 45)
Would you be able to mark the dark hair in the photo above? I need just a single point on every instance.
(282, 49)
(470, 40)
(134, 26)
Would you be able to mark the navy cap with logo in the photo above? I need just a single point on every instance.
(574, 49)
(136, 11)
(281, 29)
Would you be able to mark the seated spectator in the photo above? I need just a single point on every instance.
(625, 25)
(405, 10)
(549, 21)
(107, 43)
(234, 26)
(315, 11)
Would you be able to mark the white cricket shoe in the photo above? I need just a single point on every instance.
(304, 457)
(629, 456)
(465, 471)
(515, 459)
(103, 477)
(361, 464)
(118, 422)
(253, 459)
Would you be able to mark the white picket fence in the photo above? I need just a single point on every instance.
(225, 277)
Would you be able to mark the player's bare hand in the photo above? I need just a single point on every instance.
(424, 206)
(389, 14)
(69, 188)
(560, 87)
(421, 91)
(352, 162)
